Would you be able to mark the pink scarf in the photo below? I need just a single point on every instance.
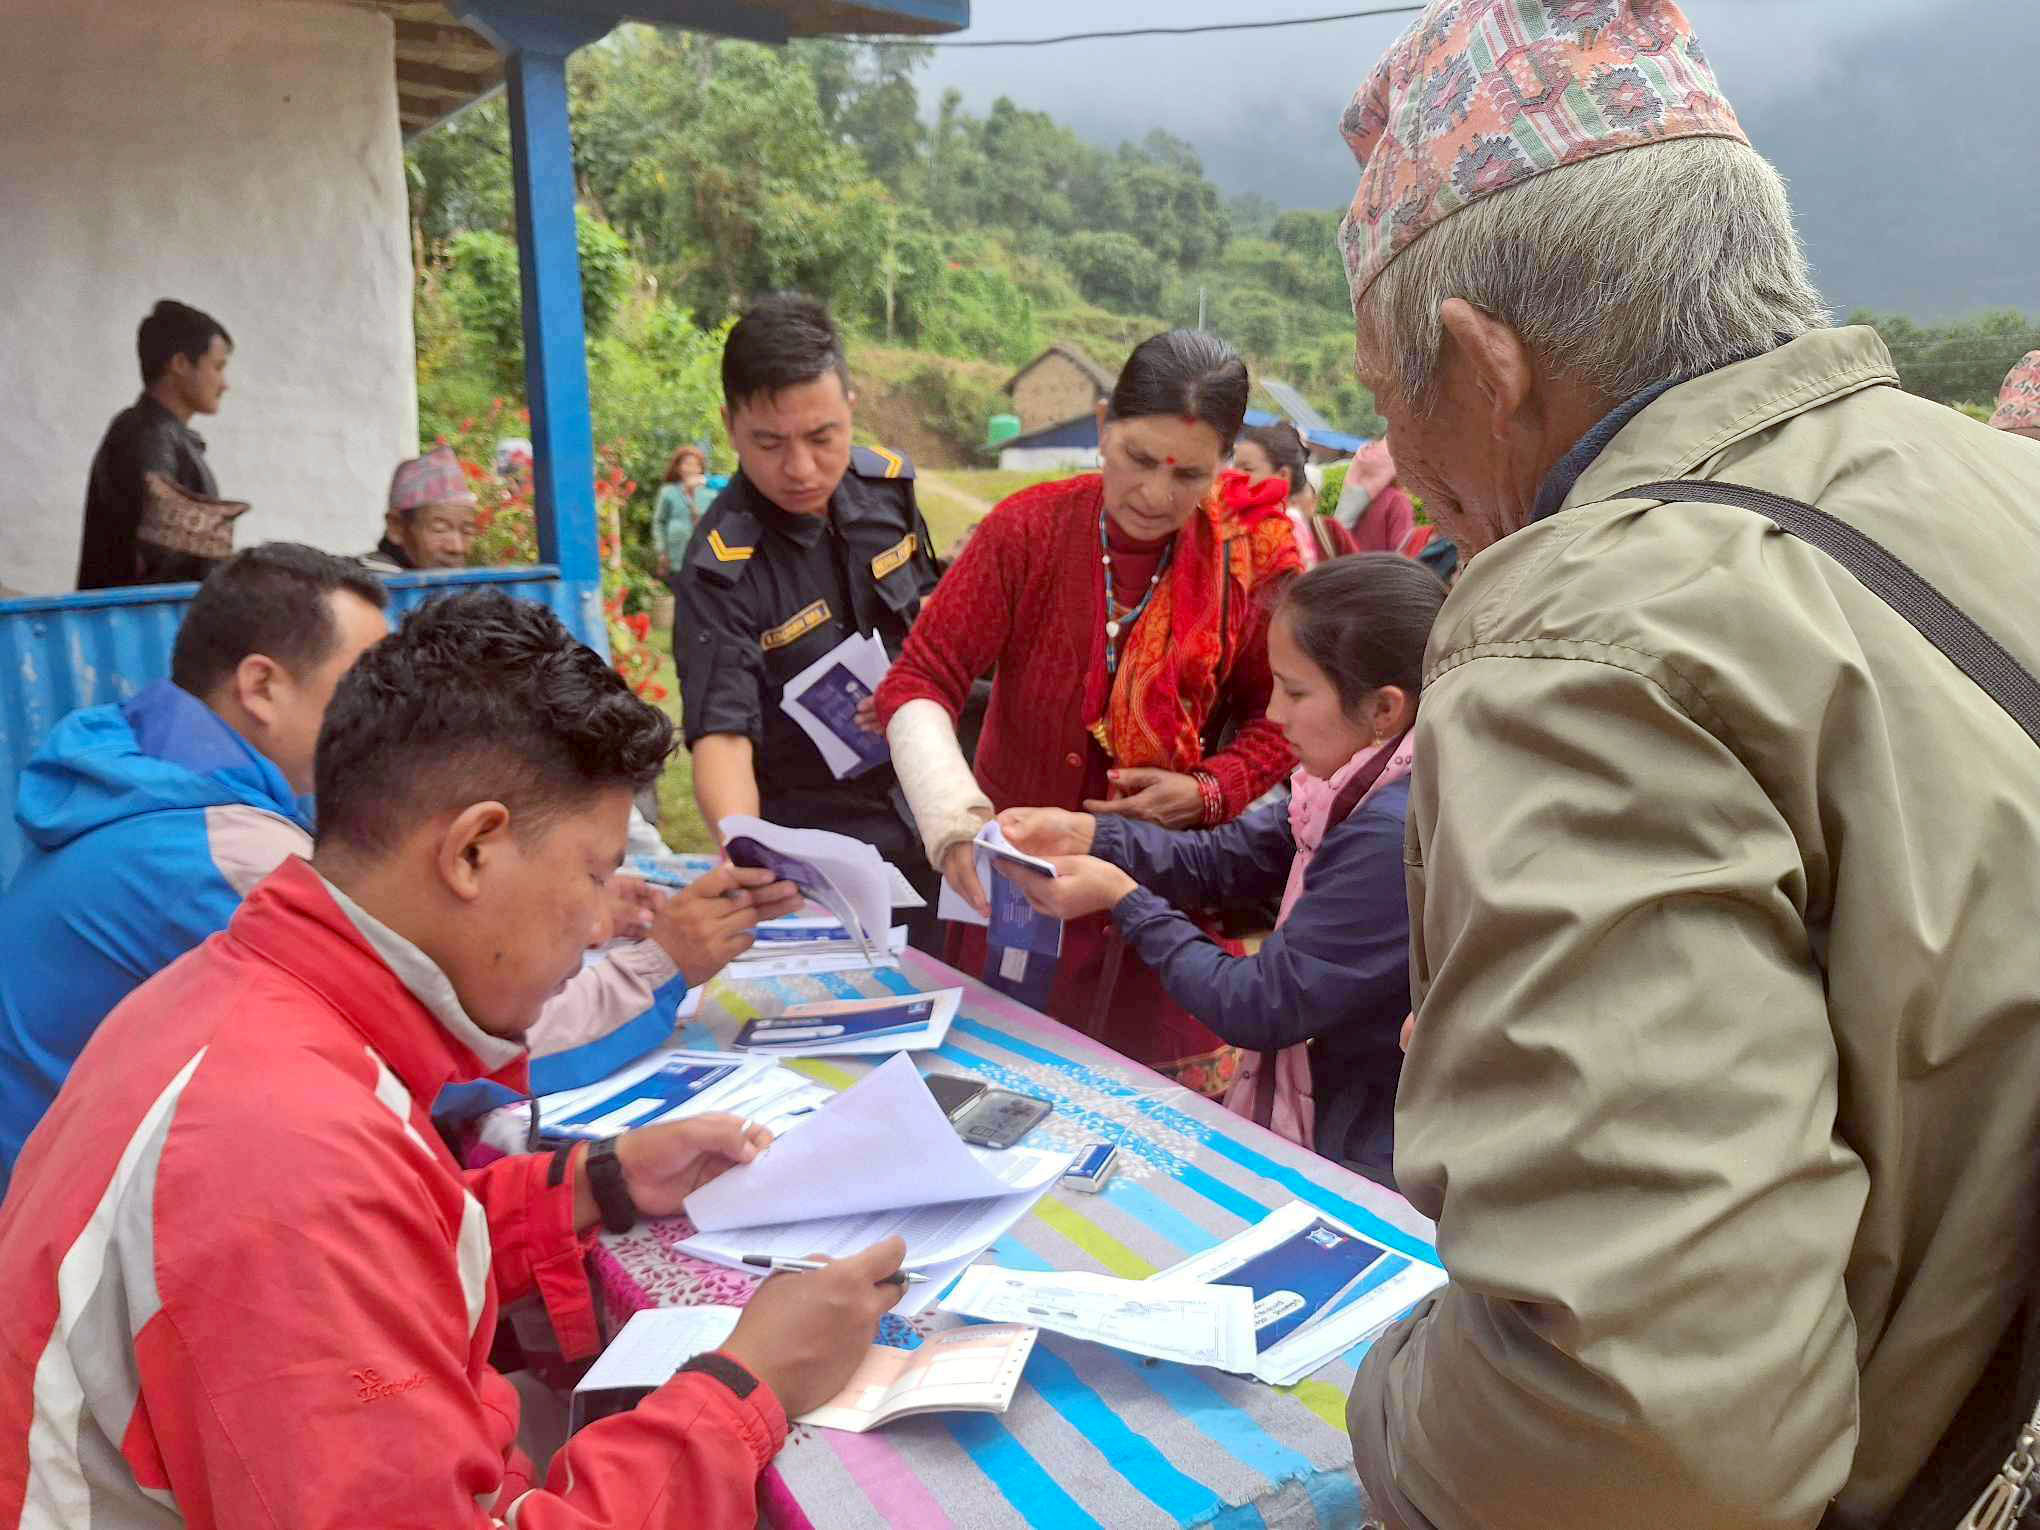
(1310, 811)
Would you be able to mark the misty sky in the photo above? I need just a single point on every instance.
(1908, 129)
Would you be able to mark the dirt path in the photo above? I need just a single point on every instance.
(963, 497)
(948, 507)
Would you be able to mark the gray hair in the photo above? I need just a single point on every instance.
(1619, 271)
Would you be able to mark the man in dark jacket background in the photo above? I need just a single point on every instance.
(183, 355)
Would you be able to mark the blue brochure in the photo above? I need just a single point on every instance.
(834, 697)
(1304, 1278)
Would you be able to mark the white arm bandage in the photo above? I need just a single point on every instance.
(947, 804)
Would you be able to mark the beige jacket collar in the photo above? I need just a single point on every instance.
(1682, 430)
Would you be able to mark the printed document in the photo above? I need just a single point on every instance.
(1319, 1287)
(879, 1158)
(1188, 1323)
(845, 876)
(966, 1370)
(824, 697)
(901, 1022)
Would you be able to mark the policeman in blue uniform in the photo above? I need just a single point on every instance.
(813, 541)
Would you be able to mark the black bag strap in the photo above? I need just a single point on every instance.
(1988, 1423)
(1938, 619)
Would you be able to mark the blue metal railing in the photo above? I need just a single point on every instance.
(62, 652)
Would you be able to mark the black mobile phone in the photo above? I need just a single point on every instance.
(999, 1118)
(952, 1091)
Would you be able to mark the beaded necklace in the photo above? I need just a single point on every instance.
(1115, 625)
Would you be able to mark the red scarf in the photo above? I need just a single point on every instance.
(1170, 672)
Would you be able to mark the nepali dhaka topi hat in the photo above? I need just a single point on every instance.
(2018, 401)
(433, 479)
(1480, 95)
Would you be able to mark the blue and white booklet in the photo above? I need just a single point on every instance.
(1015, 929)
(900, 1022)
(844, 876)
(824, 697)
(1320, 1288)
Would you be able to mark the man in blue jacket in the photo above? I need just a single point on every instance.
(148, 821)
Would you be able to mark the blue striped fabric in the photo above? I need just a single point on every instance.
(1095, 1436)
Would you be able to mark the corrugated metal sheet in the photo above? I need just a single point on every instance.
(69, 651)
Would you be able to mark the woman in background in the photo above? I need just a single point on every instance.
(1277, 451)
(1320, 1006)
(1123, 611)
(682, 498)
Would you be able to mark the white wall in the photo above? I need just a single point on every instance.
(1028, 459)
(243, 157)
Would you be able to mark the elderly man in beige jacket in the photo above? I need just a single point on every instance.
(1725, 1076)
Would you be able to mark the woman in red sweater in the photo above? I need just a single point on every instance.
(1123, 612)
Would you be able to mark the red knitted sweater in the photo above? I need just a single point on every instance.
(1028, 595)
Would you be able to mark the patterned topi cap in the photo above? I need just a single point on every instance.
(1480, 95)
(433, 479)
(2018, 401)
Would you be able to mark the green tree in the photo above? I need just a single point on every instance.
(1113, 270)
(1962, 359)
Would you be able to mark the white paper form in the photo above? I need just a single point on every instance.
(882, 1145)
(845, 876)
(801, 964)
(1327, 1337)
(1190, 1324)
(941, 1240)
(823, 699)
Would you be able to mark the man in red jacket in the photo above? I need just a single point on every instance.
(248, 1285)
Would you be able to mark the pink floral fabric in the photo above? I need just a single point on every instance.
(2018, 401)
(1480, 95)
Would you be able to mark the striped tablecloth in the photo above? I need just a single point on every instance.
(1095, 1437)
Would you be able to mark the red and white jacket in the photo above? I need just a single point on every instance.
(246, 1284)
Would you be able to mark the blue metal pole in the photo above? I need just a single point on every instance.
(535, 46)
(555, 337)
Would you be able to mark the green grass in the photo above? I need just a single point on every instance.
(679, 820)
(994, 484)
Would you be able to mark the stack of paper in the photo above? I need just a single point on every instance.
(968, 1370)
(878, 1159)
(824, 697)
(912, 1022)
(1319, 1287)
(673, 1084)
(845, 876)
(1185, 1322)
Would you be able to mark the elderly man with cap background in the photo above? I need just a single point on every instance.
(2018, 401)
(1724, 1081)
(431, 516)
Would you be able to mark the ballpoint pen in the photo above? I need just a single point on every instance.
(775, 1264)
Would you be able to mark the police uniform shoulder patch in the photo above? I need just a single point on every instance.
(724, 545)
(878, 462)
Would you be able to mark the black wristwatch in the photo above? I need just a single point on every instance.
(605, 1181)
(725, 1370)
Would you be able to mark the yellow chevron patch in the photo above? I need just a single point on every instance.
(894, 555)
(796, 626)
(893, 462)
(724, 552)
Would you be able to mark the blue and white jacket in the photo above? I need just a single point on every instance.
(147, 822)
